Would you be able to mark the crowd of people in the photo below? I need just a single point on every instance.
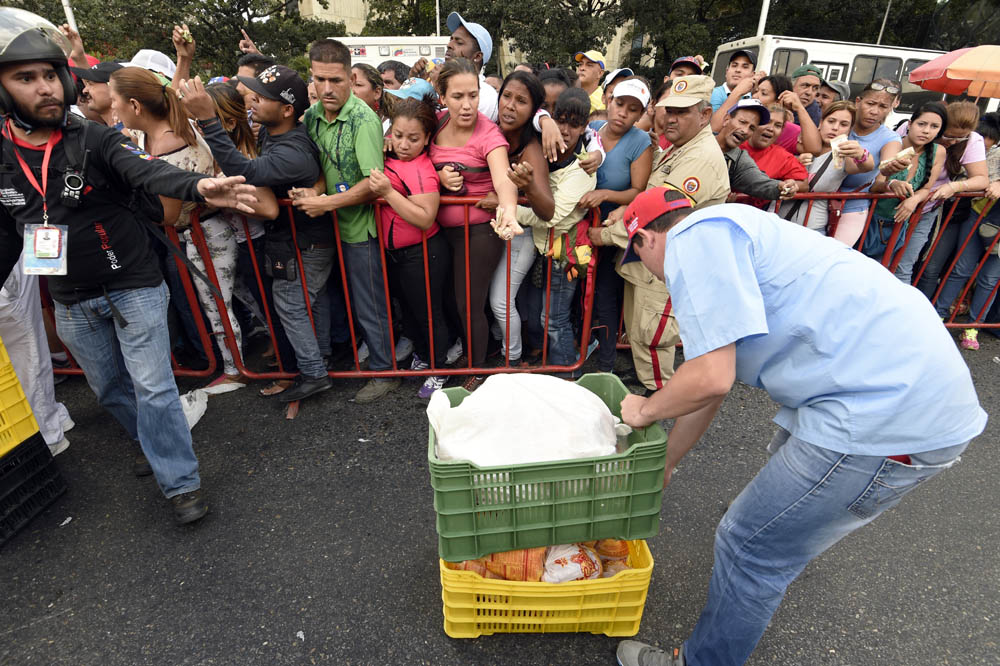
(567, 143)
(99, 157)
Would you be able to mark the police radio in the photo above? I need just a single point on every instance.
(73, 184)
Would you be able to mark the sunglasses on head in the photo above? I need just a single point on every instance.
(891, 89)
(953, 139)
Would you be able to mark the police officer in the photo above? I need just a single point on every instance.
(69, 175)
(694, 165)
(870, 406)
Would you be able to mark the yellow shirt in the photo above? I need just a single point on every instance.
(597, 99)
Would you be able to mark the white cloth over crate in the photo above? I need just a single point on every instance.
(514, 419)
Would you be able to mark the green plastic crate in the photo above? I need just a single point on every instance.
(483, 510)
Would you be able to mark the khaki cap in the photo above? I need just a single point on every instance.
(688, 91)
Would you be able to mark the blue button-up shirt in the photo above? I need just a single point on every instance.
(858, 361)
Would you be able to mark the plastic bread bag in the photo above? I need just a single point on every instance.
(524, 565)
(571, 562)
(614, 567)
(612, 549)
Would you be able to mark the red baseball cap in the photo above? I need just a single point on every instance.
(645, 208)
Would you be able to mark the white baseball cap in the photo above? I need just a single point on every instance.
(632, 88)
(154, 61)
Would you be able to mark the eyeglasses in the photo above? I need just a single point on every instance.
(953, 139)
(891, 89)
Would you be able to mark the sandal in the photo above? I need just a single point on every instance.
(276, 387)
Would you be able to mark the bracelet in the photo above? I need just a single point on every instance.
(864, 158)
(205, 124)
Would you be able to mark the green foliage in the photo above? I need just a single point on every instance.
(402, 17)
(116, 29)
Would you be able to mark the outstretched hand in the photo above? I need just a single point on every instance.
(197, 102)
(228, 192)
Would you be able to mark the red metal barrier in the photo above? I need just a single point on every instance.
(433, 370)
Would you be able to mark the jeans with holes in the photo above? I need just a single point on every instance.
(363, 264)
(127, 364)
(290, 302)
(804, 500)
(982, 292)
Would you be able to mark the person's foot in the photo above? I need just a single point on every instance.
(430, 385)
(305, 387)
(276, 387)
(404, 347)
(68, 424)
(970, 339)
(634, 653)
(453, 352)
(59, 446)
(141, 466)
(375, 389)
(417, 364)
(189, 507)
(473, 382)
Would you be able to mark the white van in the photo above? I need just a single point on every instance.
(855, 64)
(376, 50)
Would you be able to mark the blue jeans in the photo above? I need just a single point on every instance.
(966, 264)
(804, 500)
(904, 270)
(363, 264)
(290, 303)
(562, 344)
(127, 364)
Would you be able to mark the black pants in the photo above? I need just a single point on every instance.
(608, 290)
(407, 267)
(485, 250)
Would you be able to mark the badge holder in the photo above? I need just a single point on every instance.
(45, 249)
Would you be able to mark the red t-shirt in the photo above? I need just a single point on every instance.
(486, 137)
(777, 163)
(417, 176)
(789, 137)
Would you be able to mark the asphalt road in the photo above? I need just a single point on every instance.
(320, 548)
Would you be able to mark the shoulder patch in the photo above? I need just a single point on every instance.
(691, 185)
(138, 152)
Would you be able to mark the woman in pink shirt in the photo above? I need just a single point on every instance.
(470, 154)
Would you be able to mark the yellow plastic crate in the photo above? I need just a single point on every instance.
(17, 423)
(474, 606)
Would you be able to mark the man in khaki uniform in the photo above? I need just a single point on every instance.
(692, 164)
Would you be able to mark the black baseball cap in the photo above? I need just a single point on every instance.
(282, 84)
(99, 73)
(742, 52)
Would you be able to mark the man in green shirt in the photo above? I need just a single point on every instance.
(349, 136)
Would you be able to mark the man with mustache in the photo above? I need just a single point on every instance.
(744, 175)
(75, 177)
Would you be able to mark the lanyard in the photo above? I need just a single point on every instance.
(53, 140)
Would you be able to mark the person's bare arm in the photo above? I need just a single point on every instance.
(78, 55)
(420, 210)
(184, 46)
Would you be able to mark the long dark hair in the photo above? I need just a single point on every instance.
(158, 99)
(938, 109)
(537, 93)
(230, 107)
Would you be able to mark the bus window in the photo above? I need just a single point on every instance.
(786, 61)
(868, 68)
(913, 95)
(722, 61)
(832, 71)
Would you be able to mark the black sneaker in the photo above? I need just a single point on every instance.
(141, 466)
(189, 507)
(305, 387)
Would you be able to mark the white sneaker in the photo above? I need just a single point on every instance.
(363, 352)
(404, 347)
(453, 352)
(59, 446)
(68, 424)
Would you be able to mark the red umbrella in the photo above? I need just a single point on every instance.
(974, 70)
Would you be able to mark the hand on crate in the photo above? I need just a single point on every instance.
(632, 411)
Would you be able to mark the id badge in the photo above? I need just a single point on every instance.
(45, 249)
(341, 187)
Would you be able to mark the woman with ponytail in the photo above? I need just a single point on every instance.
(159, 125)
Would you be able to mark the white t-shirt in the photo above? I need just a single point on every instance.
(489, 99)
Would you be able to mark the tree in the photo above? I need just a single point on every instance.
(401, 17)
(109, 28)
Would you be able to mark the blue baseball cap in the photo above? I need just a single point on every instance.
(414, 88)
(478, 32)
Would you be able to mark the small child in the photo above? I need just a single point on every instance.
(410, 186)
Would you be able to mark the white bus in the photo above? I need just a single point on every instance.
(376, 50)
(855, 64)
